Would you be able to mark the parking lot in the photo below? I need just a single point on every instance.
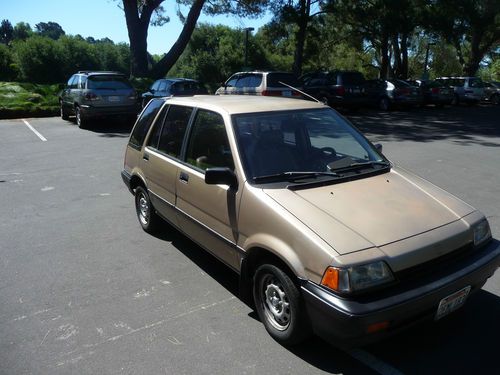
(84, 290)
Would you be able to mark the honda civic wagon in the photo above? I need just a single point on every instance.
(326, 234)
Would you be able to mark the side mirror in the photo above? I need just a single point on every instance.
(221, 176)
(378, 146)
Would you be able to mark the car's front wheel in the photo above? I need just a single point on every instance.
(279, 305)
(146, 214)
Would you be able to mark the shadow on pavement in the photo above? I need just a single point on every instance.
(462, 125)
(112, 128)
(466, 342)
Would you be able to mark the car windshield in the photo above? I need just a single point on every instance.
(102, 82)
(293, 144)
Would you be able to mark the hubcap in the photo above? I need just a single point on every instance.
(275, 303)
(143, 209)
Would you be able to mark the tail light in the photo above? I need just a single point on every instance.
(296, 93)
(271, 93)
(133, 96)
(435, 90)
(90, 96)
(340, 90)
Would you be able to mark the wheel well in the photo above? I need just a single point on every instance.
(136, 181)
(256, 257)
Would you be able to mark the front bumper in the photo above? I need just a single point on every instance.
(345, 321)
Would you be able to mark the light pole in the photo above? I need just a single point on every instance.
(425, 75)
(247, 30)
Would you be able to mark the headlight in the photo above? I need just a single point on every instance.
(482, 232)
(352, 279)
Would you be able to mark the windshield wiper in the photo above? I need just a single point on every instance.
(292, 176)
(363, 164)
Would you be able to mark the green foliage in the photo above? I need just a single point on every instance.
(39, 60)
(7, 67)
(27, 98)
(22, 31)
(6, 32)
(216, 52)
(50, 30)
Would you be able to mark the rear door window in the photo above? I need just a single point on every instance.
(142, 126)
(174, 128)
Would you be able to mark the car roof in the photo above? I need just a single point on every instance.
(174, 80)
(234, 104)
(107, 73)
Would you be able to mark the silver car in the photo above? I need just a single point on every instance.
(468, 90)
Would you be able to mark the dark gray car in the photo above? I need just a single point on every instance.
(92, 94)
(173, 87)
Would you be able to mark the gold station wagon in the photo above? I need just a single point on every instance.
(326, 234)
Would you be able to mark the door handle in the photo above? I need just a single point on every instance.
(145, 156)
(184, 177)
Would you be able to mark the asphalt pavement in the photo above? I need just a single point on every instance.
(83, 290)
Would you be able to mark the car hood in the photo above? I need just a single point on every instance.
(372, 211)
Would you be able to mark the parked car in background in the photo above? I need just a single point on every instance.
(469, 90)
(326, 234)
(434, 92)
(492, 92)
(393, 93)
(173, 87)
(260, 83)
(92, 94)
(339, 89)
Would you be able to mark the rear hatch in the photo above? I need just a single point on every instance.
(109, 91)
(275, 87)
(350, 85)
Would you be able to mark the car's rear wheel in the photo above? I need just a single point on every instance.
(64, 114)
(81, 120)
(383, 104)
(146, 214)
(279, 305)
(495, 99)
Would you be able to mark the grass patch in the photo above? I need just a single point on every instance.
(28, 100)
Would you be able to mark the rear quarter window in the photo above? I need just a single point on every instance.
(142, 126)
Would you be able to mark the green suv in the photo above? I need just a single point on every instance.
(90, 94)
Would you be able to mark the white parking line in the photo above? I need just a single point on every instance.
(35, 131)
(373, 362)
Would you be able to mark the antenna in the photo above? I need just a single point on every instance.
(302, 92)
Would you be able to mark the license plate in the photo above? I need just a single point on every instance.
(114, 98)
(287, 93)
(452, 302)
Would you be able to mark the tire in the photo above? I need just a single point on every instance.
(384, 104)
(81, 120)
(148, 218)
(495, 99)
(280, 306)
(64, 114)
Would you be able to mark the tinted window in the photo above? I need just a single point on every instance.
(477, 83)
(102, 82)
(155, 85)
(244, 81)
(163, 86)
(186, 88)
(352, 78)
(73, 82)
(83, 81)
(232, 81)
(173, 131)
(144, 123)
(208, 144)
(273, 79)
(154, 136)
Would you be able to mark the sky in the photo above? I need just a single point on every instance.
(103, 18)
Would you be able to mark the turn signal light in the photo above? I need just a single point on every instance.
(375, 327)
(331, 278)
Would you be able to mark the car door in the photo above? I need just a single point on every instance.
(66, 95)
(207, 213)
(161, 158)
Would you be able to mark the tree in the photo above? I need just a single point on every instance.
(22, 31)
(50, 30)
(140, 14)
(6, 32)
(471, 26)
